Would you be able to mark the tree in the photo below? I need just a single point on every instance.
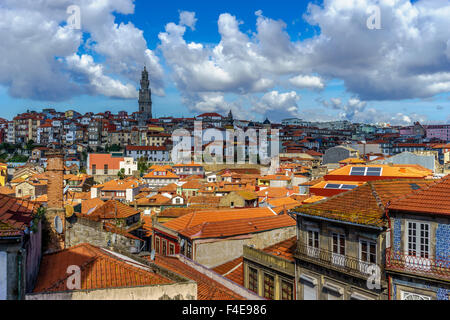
(142, 166)
(121, 174)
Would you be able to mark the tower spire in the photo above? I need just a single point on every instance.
(145, 98)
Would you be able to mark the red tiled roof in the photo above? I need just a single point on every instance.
(363, 205)
(199, 217)
(284, 249)
(233, 270)
(207, 288)
(435, 198)
(229, 228)
(112, 209)
(15, 215)
(100, 269)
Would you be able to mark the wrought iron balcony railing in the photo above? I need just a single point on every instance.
(421, 265)
(343, 263)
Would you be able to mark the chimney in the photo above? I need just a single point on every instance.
(55, 205)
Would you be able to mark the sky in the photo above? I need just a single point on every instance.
(315, 60)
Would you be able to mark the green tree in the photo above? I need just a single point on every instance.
(121, 174)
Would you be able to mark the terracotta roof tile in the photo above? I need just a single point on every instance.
(284, 249)
(112, 209)
(434, 199)
(207, 288)
(233, 270)
(15, 215)
(363, 205)
(231, 228)
(100, 269)
(199, 217)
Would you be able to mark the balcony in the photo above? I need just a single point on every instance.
(342, 263)
(434, 268)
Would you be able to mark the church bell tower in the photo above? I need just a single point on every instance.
(145, 99)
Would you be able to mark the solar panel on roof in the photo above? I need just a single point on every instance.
(332, 186)
(358, 171)
(373, 171)
(349, 186)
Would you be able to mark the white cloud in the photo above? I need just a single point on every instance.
(100, 83)
(38, 50)
(277, 106)
(188, 19)
(307, 82)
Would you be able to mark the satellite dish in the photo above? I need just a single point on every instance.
(91, 210)
(152, 255)
(69, 211)
(58, 225)
(182, 243)
(66, 189)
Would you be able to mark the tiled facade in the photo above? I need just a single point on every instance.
(443, 244)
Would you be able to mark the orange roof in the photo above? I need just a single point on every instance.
(286, 201)
(363, 205)
(100, 159)
(6, 190)
(233, 270)
(207, 288)
(199, 217)
(114, 185)
(87, 205)
(166, 175)
(230, 228)
(100, 269)
(434, 199)
(391, 171)
(15, 215)
(156, 200)
(276, 177)
(274, 192)
(323, 184)
(193, 184)
(284, 249)
(113, 209)
(169, 188)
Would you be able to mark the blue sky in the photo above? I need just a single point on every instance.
(351, 87)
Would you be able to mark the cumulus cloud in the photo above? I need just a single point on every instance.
(277, 106)
(408, 58)
(44, 59)
(188, 19)
(307, 82)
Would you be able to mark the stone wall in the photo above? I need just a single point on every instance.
(86, 231)
(177, 291)
(212, 253)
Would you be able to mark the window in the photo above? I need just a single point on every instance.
(94, 169)
(313, 243)
(338, 256)
(157, 244)
(418, 239)
(164, 247)
(287, 292)
(367, 255)
(105, 169)
(171, 249)
(368, 251)
(269, 286)
(189, 251)
(253, 280)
